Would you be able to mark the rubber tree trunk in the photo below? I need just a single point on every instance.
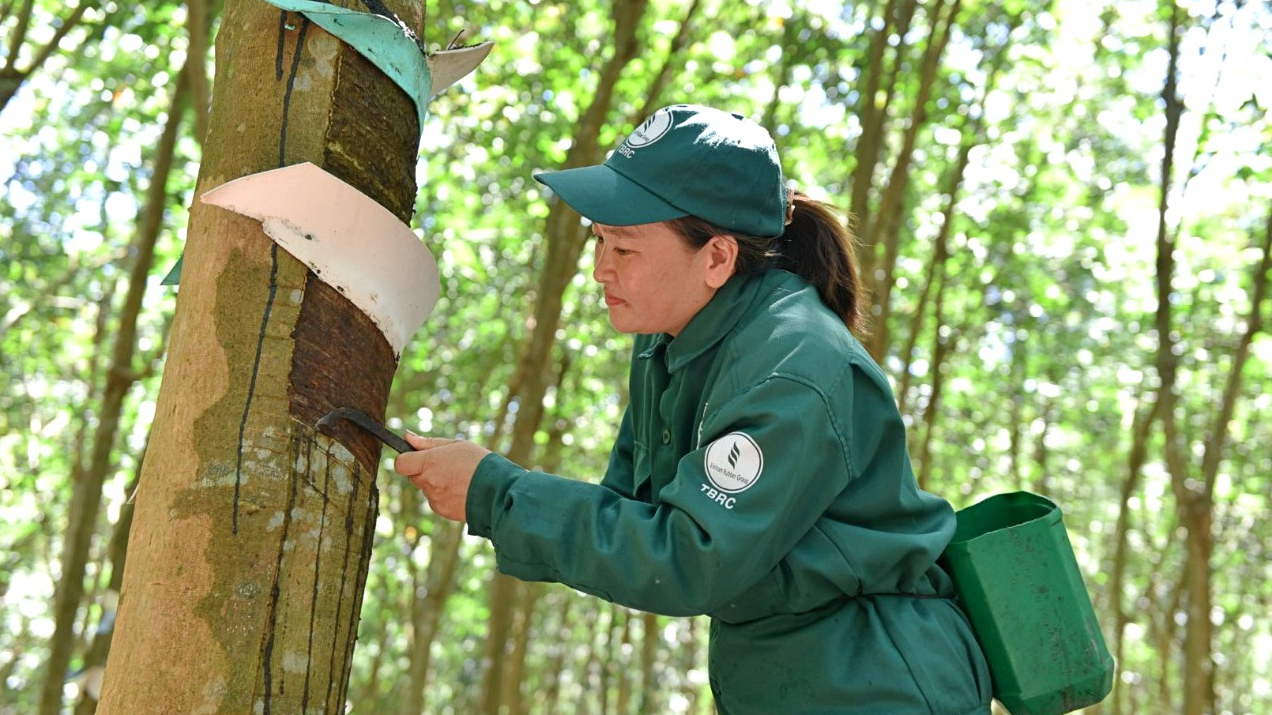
(879, 86)
(884, 233)
(252, 533)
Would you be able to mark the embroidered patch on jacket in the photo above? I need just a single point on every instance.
(734, 462)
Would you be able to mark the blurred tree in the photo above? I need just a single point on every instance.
(26, 51)
(120, 377)
(564, 240)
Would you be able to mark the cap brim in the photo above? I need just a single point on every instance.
(605, 196)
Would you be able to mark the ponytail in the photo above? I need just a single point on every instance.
(816, 246)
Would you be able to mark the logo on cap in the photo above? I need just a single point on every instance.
(650, 131)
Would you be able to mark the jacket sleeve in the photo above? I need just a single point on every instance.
(706, 538)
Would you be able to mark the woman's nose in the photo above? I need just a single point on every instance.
(600, 266)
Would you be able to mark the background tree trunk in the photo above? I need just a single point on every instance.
(884, 231)
(651, 640)
(252, 531)
(427, 606)
(558, 650)
(564, 244)
(120, 376)
(1193, 507)
(872, 108)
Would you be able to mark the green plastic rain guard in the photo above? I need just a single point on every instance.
(1016, 576)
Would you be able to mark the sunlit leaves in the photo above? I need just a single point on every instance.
(1038, 364)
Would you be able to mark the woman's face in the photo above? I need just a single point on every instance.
(654, 282)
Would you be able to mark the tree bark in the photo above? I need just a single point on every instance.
(942, 347)
(1198, 508)
(199, 24)
(623, 699)
(99, 647)
(651, 640)
(427, 608)
(252, 531)
(936, 273)
(974, 135)
(522, 628)
(885, 231)
(1193, 505)
(606, 660)
(688, 661)
(551, 691)
(1138, 454)
(504, 592)
(873, 114)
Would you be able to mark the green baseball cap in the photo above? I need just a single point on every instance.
(684, 160)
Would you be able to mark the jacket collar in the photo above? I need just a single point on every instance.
(716, 319)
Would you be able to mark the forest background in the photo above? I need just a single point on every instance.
(1065, 212)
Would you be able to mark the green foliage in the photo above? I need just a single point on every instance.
(74, 164)
(1031, 374)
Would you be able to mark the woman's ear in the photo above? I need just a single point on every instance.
(722, 259)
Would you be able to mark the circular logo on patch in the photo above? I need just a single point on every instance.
(734, 462)
(653, 129)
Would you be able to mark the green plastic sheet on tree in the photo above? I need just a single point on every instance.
(384, 41)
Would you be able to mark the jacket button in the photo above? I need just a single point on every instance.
(666, 435)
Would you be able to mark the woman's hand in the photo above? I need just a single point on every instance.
(442, 469)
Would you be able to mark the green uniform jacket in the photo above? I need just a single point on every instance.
(761, 477)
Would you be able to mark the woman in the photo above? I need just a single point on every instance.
(760, 474)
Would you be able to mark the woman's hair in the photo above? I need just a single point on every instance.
(817, 246)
